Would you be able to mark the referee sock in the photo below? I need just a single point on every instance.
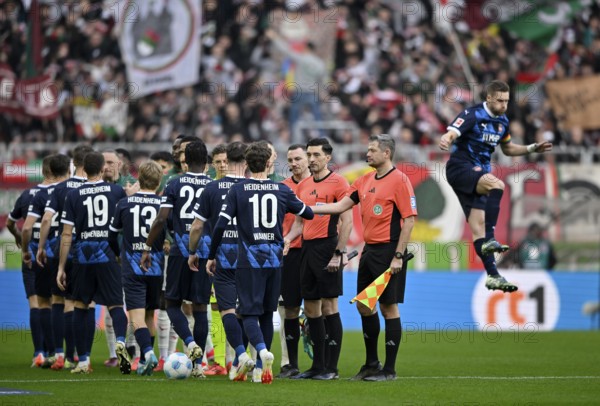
(317, 336)
(489, 262)
(393, 337)
(200, 328)
(36, 330)
(292, 337)
(370, 327)
(58, 325)
(492, 210)
(266, 327)
(335, 331)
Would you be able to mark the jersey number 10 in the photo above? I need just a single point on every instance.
(264, 214)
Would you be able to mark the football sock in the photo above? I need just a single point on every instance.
(333, 343)
(285, 359)
(245, 339)
(200, 328)
(393, 337)
(317, 336)
(80, 332)
(370, 327)
(36, 330)
(163, 327)
(58, 325)
(492, 210)
(142, 336)
(254, 332)
(46, 323)
(69, 339)
(489, 262)
(292, 337)
(266, 327)
(109, 331)
(119, 322)
(90, 323)
(180, 323)
(233, 331)
(130, 342)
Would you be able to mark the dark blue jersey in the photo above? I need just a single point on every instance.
(133, 217)
(56, 201)
(36, 209)
(21, 207)
(89, 209)
(181, 195)
(259, 207)
(479, 132)
(207, 209)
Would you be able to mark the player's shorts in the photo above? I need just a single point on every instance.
(142, 292)
(100, 283)
(291, 277)
(43, 280)
(463, 178)
(28, 280)
(52, 266)
(375, 260)
(317, 282)
(225, 289)
(258, 290)
(184, 284)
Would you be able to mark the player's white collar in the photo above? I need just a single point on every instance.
(234, 177)
(194, 173)
(139, 192)
(488, 110)
(94, 183)
(260, 180)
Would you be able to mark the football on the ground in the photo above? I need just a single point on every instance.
(178, 366)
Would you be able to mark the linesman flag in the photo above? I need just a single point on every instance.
(370, 295)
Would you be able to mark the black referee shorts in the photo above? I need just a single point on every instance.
(374, 261)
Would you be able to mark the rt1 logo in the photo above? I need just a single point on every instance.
(537, 301)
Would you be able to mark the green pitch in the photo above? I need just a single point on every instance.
(433, 368)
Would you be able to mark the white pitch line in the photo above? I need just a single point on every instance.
(400, 378)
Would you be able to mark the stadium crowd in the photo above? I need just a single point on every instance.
(393, 72)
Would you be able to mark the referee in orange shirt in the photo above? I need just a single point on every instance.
(388, 210)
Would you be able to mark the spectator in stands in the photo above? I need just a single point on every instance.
(535, 252)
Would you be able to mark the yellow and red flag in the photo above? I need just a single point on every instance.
(371, 293)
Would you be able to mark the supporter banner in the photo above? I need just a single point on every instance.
(36, 97)
(575, 102)
(160, 44)
(109, 118)
(8, 82)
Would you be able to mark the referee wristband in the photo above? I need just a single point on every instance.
(532, 147)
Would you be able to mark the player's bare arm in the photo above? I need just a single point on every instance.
(40, 256)
(12, 228)
(407, 227)
(155, 230)
(295, 232)
(338, 261)
(447, 140)
(512, 149)
(195, 233)
(25, 238)
(65, 246)
(334, 208)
